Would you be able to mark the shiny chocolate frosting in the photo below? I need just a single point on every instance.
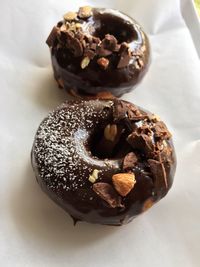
(103, 161)
(102, 50)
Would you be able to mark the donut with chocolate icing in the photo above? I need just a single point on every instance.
(103, 161)
(96, 50)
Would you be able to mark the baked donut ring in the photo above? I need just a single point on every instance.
(103, 161)
(98, 50)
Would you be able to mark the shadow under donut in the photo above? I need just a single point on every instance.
(42, 222)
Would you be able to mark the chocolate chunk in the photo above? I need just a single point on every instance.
(120, 111)
(128, 114)
(107, 193)
(161, 130)
(89, 53)
(106, 47)
(72, 43)
(141, 142)
(128, 125)
(93, 46)
(102, 52)
(65, 37)
(109, 42)
(76, 47)
(95, 40)
(52, 36)
(124, 61)
(59, 24)
(85, 12)
(148, 142)
(125, 56)
(134, 114)
(103, 63)
(80, 36)
(135, 140)
(166, 154)
(159, 174)
(117, 48)
(145, 129)
(129, 161)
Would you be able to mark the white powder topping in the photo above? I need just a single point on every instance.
(58, 141)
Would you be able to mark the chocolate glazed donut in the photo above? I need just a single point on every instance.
(98, 50)
(103, 161)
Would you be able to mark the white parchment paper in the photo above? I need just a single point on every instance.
(33, 230)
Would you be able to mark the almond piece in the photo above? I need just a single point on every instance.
(85, 62)
(103, 62)
(155, 118)
(92, 179)
(69, 16)
(110, 132)
(123, 182)
(85, 12)
(94, 176)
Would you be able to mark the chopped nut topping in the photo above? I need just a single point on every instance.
(103, 62)
(94, 176)
(69, 16)
(110, 132)
(92, 179)
(155, 118)
(85, 62)
(124, 182)
(78, 25)
(72, 27)
(85, 12)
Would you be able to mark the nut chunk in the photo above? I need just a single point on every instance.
(103, 62)
(85, 12)
(110, 132)
(124, 183)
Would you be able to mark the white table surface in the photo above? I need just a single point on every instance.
(33, 230)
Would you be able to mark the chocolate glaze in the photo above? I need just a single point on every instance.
(92, 79)
(65, 153)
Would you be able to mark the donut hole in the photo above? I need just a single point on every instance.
(115, 25)
(102, 148)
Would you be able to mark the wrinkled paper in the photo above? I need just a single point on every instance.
(33, 230)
